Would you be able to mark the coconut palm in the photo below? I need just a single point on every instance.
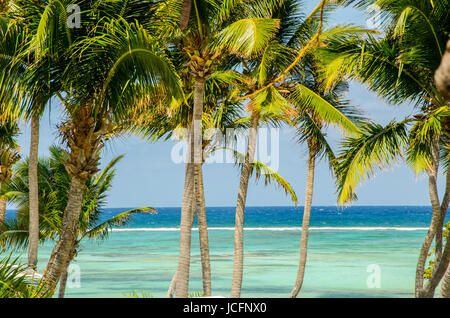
(54, 182)
(123, 61)
(442, 79)
(206, 37)
(9, 155)
(221, 112)
(310, 130)
(268, 81)
(400, 67)
(26, 94)
(442, 74)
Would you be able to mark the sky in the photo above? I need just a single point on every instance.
(147, 175)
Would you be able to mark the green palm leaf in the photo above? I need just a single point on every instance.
(246, 37)
(376, 148)
(270, 176)
(308, 100)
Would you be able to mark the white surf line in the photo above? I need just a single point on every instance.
(324, 228)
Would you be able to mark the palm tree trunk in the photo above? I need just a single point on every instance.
(435, 219)
(443, 214)
(203, 231)
(182, 275)
(64, 274)
(438, 273)
(238, 265)
(34, 194)
(63, 250)
(2, 210)
(63, 282)
(173, 283)
(182, 281)
(305, 223)
(185, 14)
(445, 287)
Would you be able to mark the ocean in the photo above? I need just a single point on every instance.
(359, 251)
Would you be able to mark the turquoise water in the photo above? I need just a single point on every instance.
(343, 244)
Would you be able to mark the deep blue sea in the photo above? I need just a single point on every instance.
(353, 252)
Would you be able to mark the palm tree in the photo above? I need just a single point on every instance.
(54, 182)
(9, 155)
(124, 62)
(400, 66)
(27, 91)
(221, 112)
(271, 103)
(442, 74)
(207, 38)
(310, 127)
(442, 79)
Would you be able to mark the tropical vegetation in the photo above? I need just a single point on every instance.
(158, 69)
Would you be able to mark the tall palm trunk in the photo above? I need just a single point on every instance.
(445, 287)
(435, 219)
(203, 231)
(64, 274)
(438, 273)
(182, 279)
(238, 265)
(185, 14)
(34, 194)
(305, 223)
(63, 282)
(61, 253)
(442, 258)
(2, 209)
(173, 283)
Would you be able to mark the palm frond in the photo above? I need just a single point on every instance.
(376, 148)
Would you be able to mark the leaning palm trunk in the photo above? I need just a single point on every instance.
(305, 223)
(172, 288)
(238, 265)
(61, 253)
(84, 139)
(63, 282)
(439, 211)
(34, 194)
(203, 231)
(195, 156)
(445, 287)
(64, 275)
(438, 273)
(423, 255)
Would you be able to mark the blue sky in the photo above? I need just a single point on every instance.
(148, 177)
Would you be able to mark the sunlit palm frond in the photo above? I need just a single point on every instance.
(246, 37)
(101, 230)
(376, 148)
